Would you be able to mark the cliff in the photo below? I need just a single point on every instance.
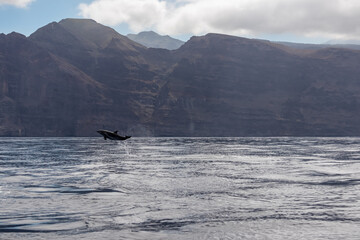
(73, 77)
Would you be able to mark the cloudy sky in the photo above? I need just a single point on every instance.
(314, 21)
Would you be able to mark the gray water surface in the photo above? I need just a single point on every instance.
(180, 188)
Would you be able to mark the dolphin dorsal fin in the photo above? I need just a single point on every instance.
(116, 131)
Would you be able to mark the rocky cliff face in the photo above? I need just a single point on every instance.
(73, 77)
(41, 93)
(230, 86)
(128, 81)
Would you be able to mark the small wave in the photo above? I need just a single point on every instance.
(308, 216)
(347, 182)
(162, 224)
(334, 182)
(20, 228)
(323, 174)
(70, 189)
(87, 191)
(41, 223)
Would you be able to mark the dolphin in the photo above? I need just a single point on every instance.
(112, 135)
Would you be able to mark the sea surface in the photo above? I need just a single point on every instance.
(180, 188)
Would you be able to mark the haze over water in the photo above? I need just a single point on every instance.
(180, 188)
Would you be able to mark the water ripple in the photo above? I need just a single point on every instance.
(180, 188)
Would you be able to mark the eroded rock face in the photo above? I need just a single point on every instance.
(73, 77)
(229, 86)
(43, 94)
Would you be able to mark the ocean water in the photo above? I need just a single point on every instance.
(180, 188)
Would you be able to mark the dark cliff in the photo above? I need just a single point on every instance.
(230, 86)
(73, 77)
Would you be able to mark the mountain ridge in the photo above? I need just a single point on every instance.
(66, 79)
(154, 40)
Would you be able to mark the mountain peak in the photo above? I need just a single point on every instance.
(77, 20)
(86, 32)
(222, 41)
(152, 33)
(16, 35)
(152, 39)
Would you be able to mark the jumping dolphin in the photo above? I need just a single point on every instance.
(112, 135)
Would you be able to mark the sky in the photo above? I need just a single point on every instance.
(307, 21)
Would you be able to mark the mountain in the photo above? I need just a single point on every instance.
(75, 81)
(154, 40)
(230, 86)
(42, 94)
(72, 77)
(309, 46)
(343, 42)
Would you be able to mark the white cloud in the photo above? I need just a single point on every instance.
(139, 14)
(16, 3)
(309, 18)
